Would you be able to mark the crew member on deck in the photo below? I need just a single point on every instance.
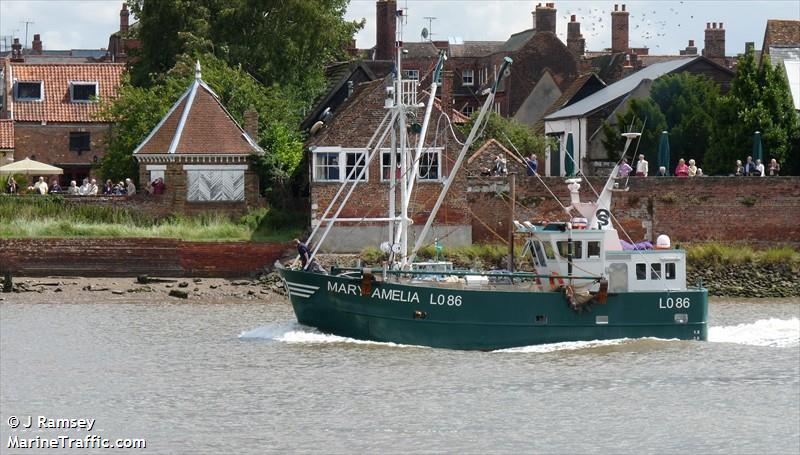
(302, 250)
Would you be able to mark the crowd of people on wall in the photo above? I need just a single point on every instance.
(88, 187)
(757, 168)
(692, 170)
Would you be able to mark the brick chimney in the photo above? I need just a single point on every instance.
(447, 92)
(36, 45)
(386, 29)
(575, 41)
(619, 29)
(715, 42)
(123, 18)
(251, 123)
(690, 49)
(16, 51)
(544, 18)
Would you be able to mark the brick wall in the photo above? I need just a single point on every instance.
(50, 143)
(750, 209)
(136, 256)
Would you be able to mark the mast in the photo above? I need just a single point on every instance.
(454, 171)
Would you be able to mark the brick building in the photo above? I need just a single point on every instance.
(55, 110)
(202, 154)
(336, 149)
(122, 42)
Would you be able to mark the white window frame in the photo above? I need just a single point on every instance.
(342, 154)
(468, 77)
(16, 91)
(156, 171)
(384, 165)
(72, 85)
(412, 75)
(438, 152)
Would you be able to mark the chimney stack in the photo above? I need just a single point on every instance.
(619, 30)
(544, 18)
(386, 29)
(447, 93)
(715, 42)
(123, 18)
(690, 49)
(251, 123)
(36, 45)
(16, 51)
(575, 41)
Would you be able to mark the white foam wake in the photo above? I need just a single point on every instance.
(782, 333)
(566, 346)
(296, 333)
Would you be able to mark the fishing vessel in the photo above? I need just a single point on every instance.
(585, 283)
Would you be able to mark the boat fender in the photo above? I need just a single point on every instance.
(569, 294)
(367, 278)
(602, 293)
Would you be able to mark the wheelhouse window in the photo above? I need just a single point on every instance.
(548, 250)
(641, 271)
(80, 141)
(655, 271)
(539, 254)
(83, 92)
(669, 271)
(29, 91)
(430, 165)
(468, 77)
(563, 249)
(332, 164)
(593, 250)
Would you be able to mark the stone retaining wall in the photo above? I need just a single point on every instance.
(137, 256)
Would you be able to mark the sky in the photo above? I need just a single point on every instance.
(663, 26)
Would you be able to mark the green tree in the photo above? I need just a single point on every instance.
(759, 100)
(689, 103)
(642, 115)
(284, 42)
(137, 110)
(508, 132)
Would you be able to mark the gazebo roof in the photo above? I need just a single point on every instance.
(198, 124)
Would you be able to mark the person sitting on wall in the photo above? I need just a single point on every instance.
(11, 185)
(662, 171)
(531, 165)
(84, 189)
(302, 250)
(108, 188)
(130, 188)
(750, 166)
(73, 189)
(158, 186)
(774, 168)
(681, 170)
(625, 168)
(739, 168)
(55, 188)
(692, 168)
(119, 189)
(700, 173)
(500, 166)
(760, 169)
(40, 186)
(93, 188)
(148, 188)
(642, 167)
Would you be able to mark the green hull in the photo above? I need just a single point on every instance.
(424, 315)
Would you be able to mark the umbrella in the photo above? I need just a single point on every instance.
(758, 150)
(569, 160)
(663, 151)
(30, 167)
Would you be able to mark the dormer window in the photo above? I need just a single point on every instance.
(29, 91)
(82, 92)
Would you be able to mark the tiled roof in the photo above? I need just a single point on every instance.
(474, 48)
(565, 98)
(516, 41)
(206, 129)
(6, 134)
(493, 145)
(56, 106)
(781, 32)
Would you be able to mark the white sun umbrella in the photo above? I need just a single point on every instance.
(30, 167)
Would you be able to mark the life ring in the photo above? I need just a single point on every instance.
(553, 278)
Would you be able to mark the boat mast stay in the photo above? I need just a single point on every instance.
(457, 165)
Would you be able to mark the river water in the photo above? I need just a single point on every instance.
(244, 378)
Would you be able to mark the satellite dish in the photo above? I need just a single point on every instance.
(316, 127)
(396, 248)
(425, 33)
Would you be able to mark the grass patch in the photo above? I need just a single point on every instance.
(719, 254)
(52, 216)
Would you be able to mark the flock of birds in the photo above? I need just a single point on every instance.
(644, 26)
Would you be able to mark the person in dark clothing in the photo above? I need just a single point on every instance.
(303, 251)
(531, 165)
